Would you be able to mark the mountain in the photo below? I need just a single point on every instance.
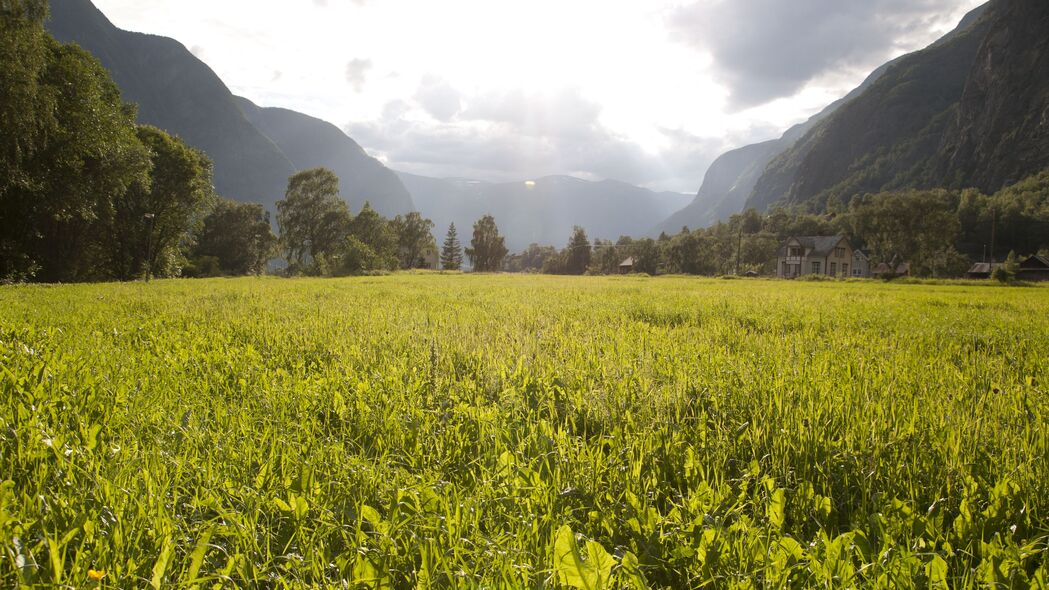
(180, 94)
(310, 142)
(971, 110)
(730, 183)
(1001, 132)
(543, 213)
(726, 185)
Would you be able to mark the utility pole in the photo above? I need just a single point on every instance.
(994, 230)
(739, 247)
(149, 246)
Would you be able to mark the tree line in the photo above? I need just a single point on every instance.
(319, 235)
(939, 232)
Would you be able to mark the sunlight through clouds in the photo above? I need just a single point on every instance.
(655, 74)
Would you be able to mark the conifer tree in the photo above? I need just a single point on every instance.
(452, 251)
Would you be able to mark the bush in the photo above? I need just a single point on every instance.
(202, 267)
(1003, 275)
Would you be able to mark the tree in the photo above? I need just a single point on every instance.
(238, 236)
(577, 256)
(313, 220)
(357, 257)
(917, 226)
(414, 239)
(375, 231)
(152, 220)
(487, 248)
(26, 105)
(452, 251)
(71, 150)
(606, 258)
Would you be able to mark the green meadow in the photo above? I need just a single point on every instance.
(497, 431)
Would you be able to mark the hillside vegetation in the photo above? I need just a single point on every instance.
(508, 431)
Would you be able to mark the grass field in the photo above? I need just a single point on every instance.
(417, 431)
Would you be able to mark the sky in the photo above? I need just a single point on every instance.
(648, 92)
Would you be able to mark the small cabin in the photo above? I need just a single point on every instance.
(982, 270)
(1035, 268)
(892, 269)
(627, 266)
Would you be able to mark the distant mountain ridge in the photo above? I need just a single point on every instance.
(542, 213)
(180, 94)
(310, 142)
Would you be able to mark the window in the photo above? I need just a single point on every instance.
(815, 268)
(833, 268)
(839, 252)
(844, 270)
(794, 252)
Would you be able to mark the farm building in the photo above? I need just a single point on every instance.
(627, 266)
(861, 265)
(893, 268)
(815, 255)
(1035, 268)
(982, 270)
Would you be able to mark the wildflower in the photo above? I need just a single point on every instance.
(96, 575)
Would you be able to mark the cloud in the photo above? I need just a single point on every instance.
(438, 98)
(515, 135)
(357, 73)
(768, 49)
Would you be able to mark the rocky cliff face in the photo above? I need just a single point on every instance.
(1001, 131)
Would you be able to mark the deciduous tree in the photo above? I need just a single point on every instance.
(313, 220)
(487, 248)
(414, 238)
(238, 236)
(577, 255)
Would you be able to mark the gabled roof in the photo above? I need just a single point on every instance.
(627, 262)
(818, 246)
(861, 254)
(983, 268)
(1035, 262)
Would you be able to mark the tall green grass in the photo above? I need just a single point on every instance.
(417, 431)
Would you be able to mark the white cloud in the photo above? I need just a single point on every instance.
(357, 73)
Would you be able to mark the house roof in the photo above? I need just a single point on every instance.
(861, 254)
(627, 262)
(819, 246)
(1035, 263)
(983, 268)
